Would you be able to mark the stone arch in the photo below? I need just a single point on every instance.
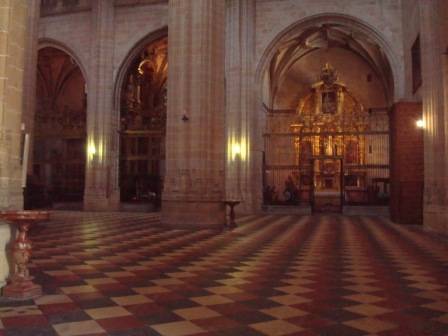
(126, 62)
(48, 42)
(120, 78)
(395, 85)
(357, 25)
(51, 93)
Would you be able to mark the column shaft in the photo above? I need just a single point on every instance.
(435, 153)
(13, 29)
(241, 180)
(194, 183)
(101, 190)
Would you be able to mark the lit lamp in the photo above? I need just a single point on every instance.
(236, 150)
(91, 150)
(420, 123)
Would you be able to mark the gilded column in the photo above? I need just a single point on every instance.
(435, 153)
(243, 156)
(195, 147)
(101, 189)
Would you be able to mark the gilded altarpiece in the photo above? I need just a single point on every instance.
(143, 124)
(329, 145)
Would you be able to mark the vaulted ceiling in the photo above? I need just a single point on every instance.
(328, 36)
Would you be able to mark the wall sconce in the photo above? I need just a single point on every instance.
(91, 150)
(237, 150)
(420, 123)
(185, 118)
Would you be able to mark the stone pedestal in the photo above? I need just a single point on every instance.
(199, 214)
(22, 290)
(406, 205)
(20, 283)
(5, 237)
(195, 148)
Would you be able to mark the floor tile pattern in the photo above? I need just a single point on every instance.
(124, 275)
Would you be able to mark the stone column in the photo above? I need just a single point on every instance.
(435, 154)
(101, 189)
(13, 32)
(13, 25)
(195, 147)
(30, 71)
(242, 182)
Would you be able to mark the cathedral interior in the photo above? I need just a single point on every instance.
(223, 167)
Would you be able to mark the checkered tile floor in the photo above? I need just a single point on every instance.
(122, 275)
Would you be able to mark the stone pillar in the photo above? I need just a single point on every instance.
(101, 189)
(13, 32)
(406, 205)
(195, 147)
(29, 87)
(434, 115)
(13, 25)
(241, 182)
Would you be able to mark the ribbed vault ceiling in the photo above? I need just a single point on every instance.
(324, 37)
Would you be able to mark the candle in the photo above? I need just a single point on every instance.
(26, 148)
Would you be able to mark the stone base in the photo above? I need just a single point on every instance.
(94, 202)
(436, 220)
(191, 214)
(23, 290)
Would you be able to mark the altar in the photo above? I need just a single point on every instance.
(327, 186)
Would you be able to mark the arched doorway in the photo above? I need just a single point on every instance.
(142, 125)
(326, 91)
(59, 150)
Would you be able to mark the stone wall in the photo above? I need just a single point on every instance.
(136, 19)
(74, 31)
(429, 20)
(71, 32)
(411, 29)
(132, 24)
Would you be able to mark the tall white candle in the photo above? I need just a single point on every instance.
(26, 149)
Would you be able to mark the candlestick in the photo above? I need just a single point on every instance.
(26, 148)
